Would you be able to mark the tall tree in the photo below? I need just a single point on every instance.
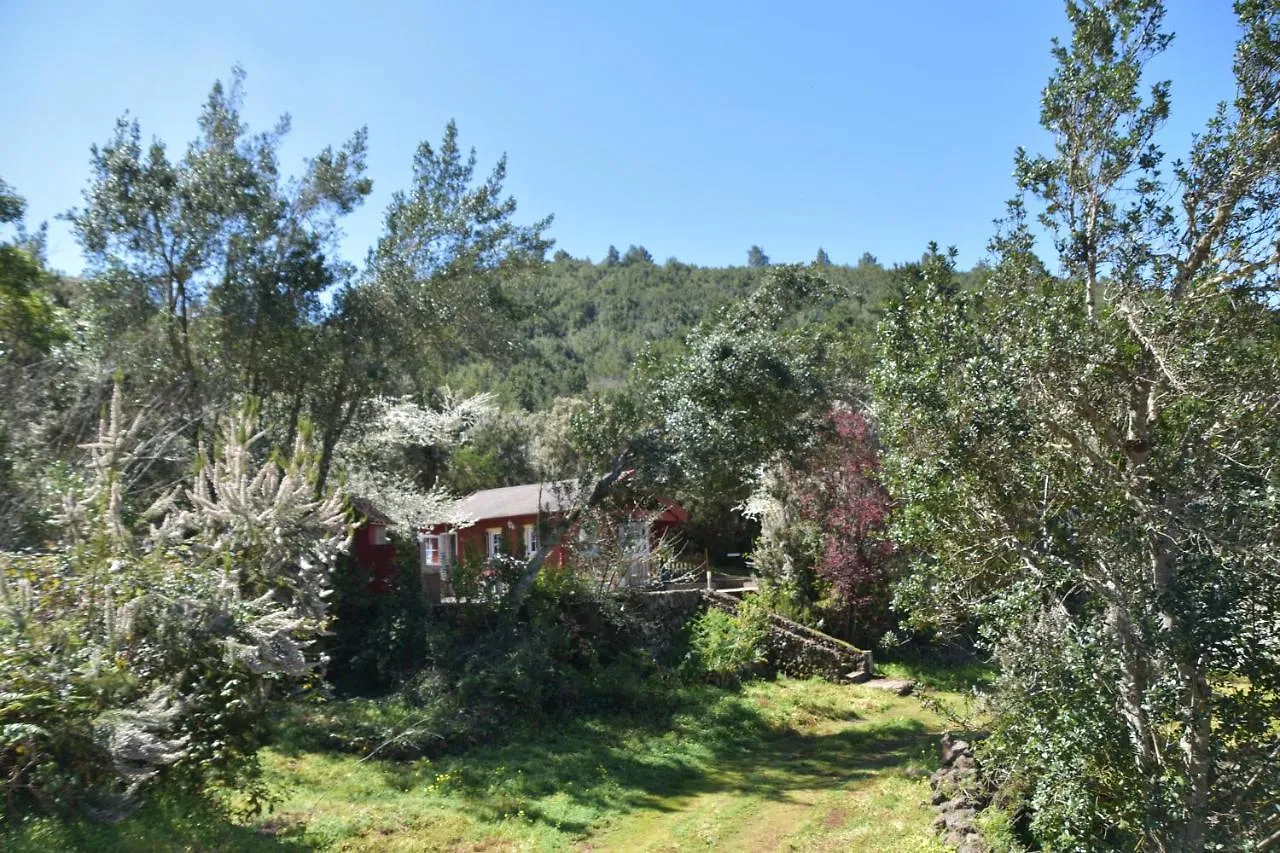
(756, 257)
(1089, 462)
(750, 391)
(637, 255)
(31, 330)
(822, 259)
(442, 280)
(205, 270)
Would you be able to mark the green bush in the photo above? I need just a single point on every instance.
(379, 639)
(727, 647)
(486, 670)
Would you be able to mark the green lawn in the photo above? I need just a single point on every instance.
(785, 765)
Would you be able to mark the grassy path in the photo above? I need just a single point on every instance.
(845, 773)
(785, 765)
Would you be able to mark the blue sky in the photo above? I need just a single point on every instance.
(694, 129)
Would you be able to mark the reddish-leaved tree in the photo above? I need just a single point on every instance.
(839, 492)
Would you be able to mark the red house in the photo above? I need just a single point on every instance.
(509, 520)
(370, 546)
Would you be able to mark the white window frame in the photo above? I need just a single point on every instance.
(633, 538)
(530, 539)
(431, 555)
(493, 541)
(378, 534)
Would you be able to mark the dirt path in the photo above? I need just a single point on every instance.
(845, 784)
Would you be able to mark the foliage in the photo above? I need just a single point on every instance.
(127, 661)
(378, 637)
(824, 544)
(32, 329)
(207, 271)
(1088, 462)
(474, 669)
(745, 393)
(393, 438)
(583, 325)
(726, 647)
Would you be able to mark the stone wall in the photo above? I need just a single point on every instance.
(794, 649)
(661, 615)
(959, 793)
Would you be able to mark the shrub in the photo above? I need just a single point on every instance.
(726, 647)
(127, 662)
(487, 669)
(379, 639)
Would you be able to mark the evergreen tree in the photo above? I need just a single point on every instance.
(637, 255)
(756, 257)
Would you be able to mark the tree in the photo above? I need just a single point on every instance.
(637, 255)
(32, 329)
(1088, 462)
(441, 281)
(822, 259)
(749, 392)
(197, 629)
(612, 258)
(28, 328)
(756, 257)
(212, 265)
(824, 538)
(868, 260)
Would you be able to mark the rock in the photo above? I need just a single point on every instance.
(951, 803)
(898, 685)
(953, 749)
(938, 798)
(960, 819)
(857, 676)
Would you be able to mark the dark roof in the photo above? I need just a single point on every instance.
(528, 499)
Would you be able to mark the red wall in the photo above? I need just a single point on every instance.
(471, 540)
(377, 560)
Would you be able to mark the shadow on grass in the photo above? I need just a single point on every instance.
(164, 824)
(717, 742)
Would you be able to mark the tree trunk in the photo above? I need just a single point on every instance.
(617, 473)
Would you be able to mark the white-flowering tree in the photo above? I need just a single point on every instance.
(374, 455)
(128, 656)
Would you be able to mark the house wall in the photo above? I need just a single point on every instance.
(472, 541)
(378, 560)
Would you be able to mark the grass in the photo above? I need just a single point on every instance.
(784, 765)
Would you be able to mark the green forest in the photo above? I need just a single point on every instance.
(1045, 491)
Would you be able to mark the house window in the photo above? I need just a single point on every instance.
(588, 539)
(493, 541)
(431, 550)
(378, 534)
(530, 539)
(449, 548)
(633, 538)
